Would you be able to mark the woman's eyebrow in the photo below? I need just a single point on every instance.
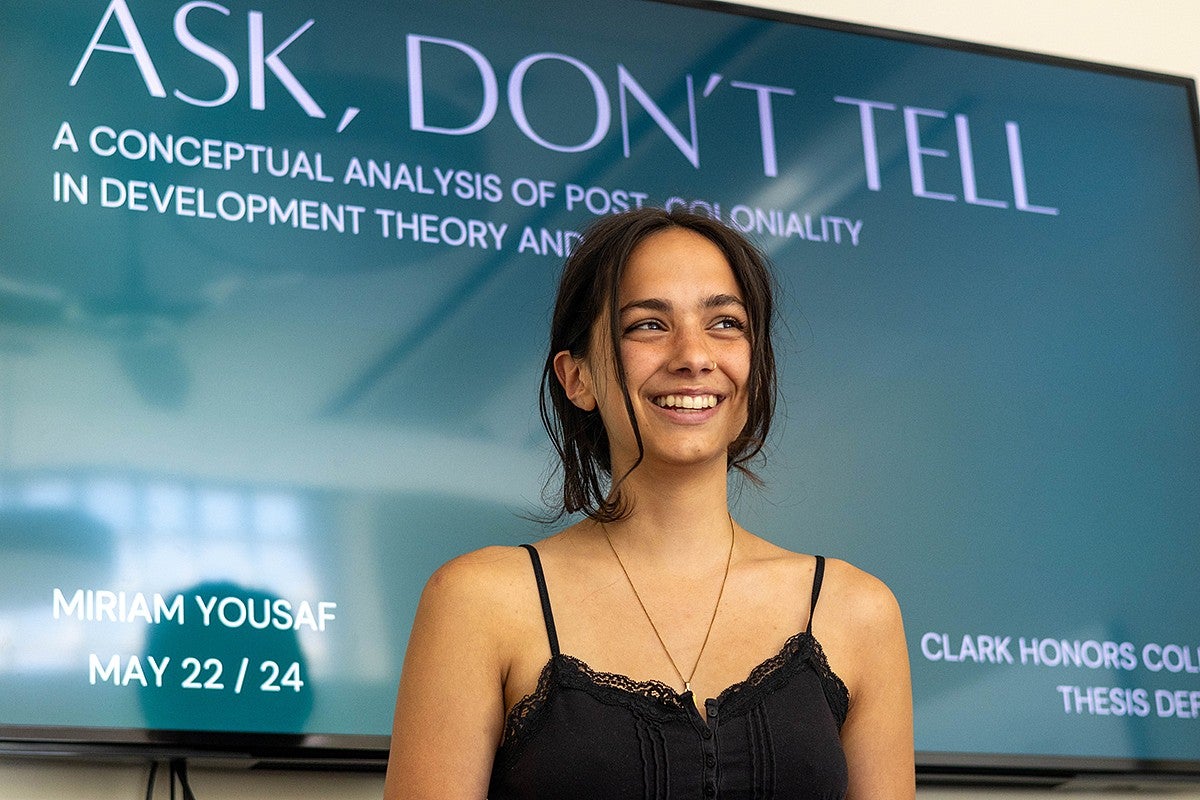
(647, 304)
(719, 300)
(662, 306)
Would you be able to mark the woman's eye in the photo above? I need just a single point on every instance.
(646, 325)
(730, 323)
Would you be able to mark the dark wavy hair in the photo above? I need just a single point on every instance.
(588, 289)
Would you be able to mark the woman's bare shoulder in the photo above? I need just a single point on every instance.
(488, 577)
(487, 597)
(860, 597)
(859, 625)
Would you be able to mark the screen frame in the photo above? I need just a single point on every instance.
(369, 753)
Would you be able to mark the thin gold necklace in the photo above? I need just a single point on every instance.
(687, 682)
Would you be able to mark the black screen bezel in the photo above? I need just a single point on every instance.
(369, 752)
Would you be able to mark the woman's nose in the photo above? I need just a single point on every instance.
(692, 354)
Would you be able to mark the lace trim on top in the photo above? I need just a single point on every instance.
(655, 700)
(800, 651)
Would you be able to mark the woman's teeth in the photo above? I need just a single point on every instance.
(686, 401)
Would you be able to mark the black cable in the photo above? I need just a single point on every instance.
(179, 769)
(150, 780)
(176, 772)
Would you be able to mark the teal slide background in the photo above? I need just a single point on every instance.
(993, 409)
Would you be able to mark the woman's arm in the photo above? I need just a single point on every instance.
(450, 707)
(878, 733)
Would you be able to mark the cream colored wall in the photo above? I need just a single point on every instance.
(1156, 35)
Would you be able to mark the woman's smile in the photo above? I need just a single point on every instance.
(686, 402)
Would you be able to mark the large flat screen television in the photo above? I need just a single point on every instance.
(274, 287)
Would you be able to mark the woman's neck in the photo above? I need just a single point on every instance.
(674, 513)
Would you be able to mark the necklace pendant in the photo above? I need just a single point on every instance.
(687, 686)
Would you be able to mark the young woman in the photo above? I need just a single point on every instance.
(655, 649)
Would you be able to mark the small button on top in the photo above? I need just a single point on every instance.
(706, 733)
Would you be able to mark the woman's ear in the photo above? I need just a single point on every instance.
(575, 379)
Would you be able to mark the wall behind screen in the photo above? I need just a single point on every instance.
(1157, 37)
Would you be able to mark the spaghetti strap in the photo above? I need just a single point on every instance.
(547, 614)
(818, 576)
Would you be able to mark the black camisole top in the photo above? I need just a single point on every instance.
(584, 734)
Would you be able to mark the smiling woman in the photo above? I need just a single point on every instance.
(682, 656)
(591, 304)
(681, 332)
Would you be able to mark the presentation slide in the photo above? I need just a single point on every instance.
(274, 296)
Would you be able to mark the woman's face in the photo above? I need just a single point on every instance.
(684, 342)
